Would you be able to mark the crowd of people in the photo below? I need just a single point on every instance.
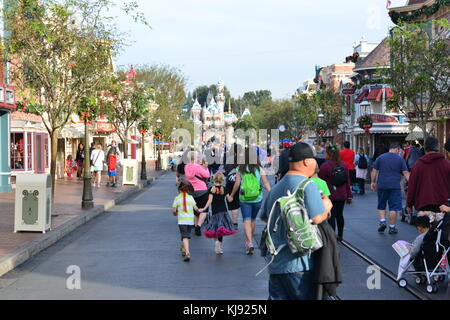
(211, 193)
(100, 161)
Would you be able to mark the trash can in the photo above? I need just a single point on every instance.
(130, 172)
(33, 208)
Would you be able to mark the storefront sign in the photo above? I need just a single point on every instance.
(105, 127)
(381, 118)
(443, 113)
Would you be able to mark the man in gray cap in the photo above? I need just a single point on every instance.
(291, 276)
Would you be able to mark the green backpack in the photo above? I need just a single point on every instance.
(250, 187)
(302, 236)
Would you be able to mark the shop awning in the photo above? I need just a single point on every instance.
(362, 96)
(389, 93)
(417, 134)
(71, 133)
(375, 95)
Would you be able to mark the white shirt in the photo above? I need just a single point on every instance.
(97, 157)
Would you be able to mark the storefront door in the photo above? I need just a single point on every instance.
(5, 170)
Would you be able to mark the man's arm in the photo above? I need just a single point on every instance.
(374, 176)
(236, 186)
(325, 215)
(406, 174)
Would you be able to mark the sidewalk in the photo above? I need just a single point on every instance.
(15, 248)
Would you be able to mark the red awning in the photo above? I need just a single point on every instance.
(389, 93)
(375, 95)
(362, 96)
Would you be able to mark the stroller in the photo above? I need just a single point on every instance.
(431, 265)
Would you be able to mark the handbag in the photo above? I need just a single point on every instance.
(92, 166)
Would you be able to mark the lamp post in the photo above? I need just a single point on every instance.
(365, 107)
(158, 125)
(143, 163)
(87, 200)
(321, 117)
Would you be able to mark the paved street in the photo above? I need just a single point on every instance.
(132, 252)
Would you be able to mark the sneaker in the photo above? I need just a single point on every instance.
(109, 184)
(250, 249)
(339, 238)
(198, 231)
(217, 247)
(236, 226)
(187, 257)
(393, 230)
(382, 227)
(220, 248)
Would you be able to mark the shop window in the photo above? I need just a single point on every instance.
(17, 151)
(30, 150)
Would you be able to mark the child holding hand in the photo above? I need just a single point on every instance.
(183, 206)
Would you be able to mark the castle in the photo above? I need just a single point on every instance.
(213, 120)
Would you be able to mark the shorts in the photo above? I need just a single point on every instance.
(201, 201)
(112, 173)
(250, 210)
(393, 197)
(98, 168)
(185, 231)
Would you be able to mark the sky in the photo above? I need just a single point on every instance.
(252, 44)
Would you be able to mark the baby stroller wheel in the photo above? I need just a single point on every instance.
(402, 283)
(430, 288)
(418, 280)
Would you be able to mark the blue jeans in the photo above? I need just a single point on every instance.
(291, 286)
(250, 210)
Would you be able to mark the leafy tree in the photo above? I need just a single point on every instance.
(420, 71)
(246, 123)
(257, 98)
(326, 102)
(271, 114)
(60, 52)
(127, 104)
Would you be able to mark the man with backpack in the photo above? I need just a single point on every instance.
(386, 176)
(362, 165)
(291, 275)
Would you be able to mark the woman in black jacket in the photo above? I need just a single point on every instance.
(79, 159)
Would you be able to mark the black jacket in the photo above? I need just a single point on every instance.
(327, 264)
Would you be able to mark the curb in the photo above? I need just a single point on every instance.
(27, 251)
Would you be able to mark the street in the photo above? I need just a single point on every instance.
(132, 252)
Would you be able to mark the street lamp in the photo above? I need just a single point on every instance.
(88, 198)
(158, 125)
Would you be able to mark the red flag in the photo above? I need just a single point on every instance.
(388, 4)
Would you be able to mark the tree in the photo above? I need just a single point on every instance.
(169, 85)
(420, 71)
(257, 98)
(126, 104)
(59, 52)
(271, 114)
(327, 103)
(246, 123)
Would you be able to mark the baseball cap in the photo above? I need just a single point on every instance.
(300, 152)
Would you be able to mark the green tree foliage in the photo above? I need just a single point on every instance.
(257, 98)
(309, 108)
(60, 52)
(169, 85)
(420, 70)
(271, 114)
(127, 105)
